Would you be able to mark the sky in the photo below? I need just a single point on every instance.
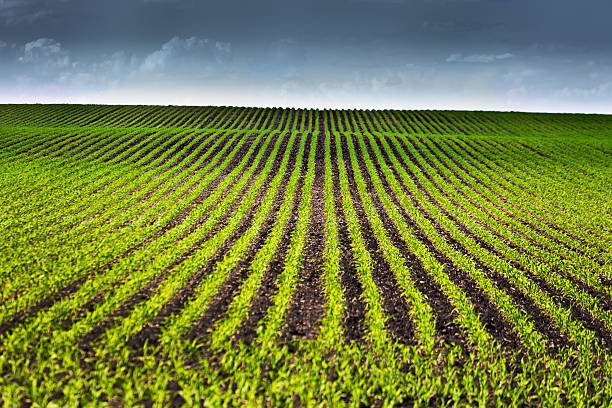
(510, 55)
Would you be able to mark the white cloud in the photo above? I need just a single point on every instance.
(601, 90)
(109, 71)
(45, 53)
(192, 56)
(478, 58)
(46, 65)
(223, 47)
(118, 63)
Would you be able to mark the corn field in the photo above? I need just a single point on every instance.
(188, 256)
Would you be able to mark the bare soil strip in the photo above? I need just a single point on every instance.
(355, 313)
(308, 301)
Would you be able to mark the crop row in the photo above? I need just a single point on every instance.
(170, 254)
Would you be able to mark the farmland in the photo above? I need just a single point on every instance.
(175, 256)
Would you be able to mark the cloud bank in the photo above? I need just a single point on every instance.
(479, 58)
(461, 54)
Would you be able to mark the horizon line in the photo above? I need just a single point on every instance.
(310, 108)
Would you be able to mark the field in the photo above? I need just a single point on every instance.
(167, 256)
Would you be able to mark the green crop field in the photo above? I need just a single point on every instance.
(169, 256)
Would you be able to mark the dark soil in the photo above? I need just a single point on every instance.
(108, 145)
(25, 144)
(154, 145)
(399, 322)
(452, 123)
(290, 120)
(308, 303)
(502, 166)
(401, 124)
(219, 305)
(542, 322)
(355, 313)
(210, 117)
(76, 284)
(196, 146)
(262, 301)
(308, 306)
(117, 120)
(488, 187)
(57, 147)
(189, 289)
(492, 319)
(444, 311)
(256, 118)
(185, 121)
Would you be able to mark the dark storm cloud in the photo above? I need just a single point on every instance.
(485, 54)
(13, 12)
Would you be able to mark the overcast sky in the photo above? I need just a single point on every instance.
(529, 55)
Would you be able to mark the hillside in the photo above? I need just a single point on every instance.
(175, 255)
